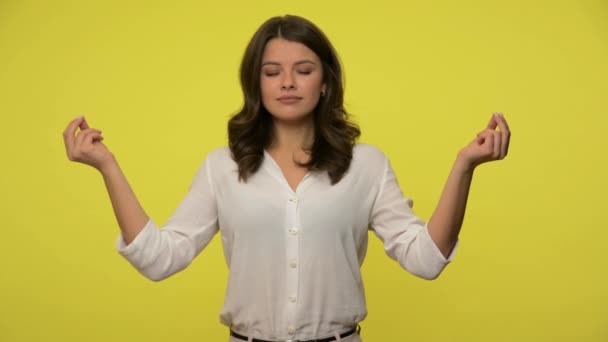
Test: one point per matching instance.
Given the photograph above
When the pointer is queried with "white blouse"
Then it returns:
(294, 257)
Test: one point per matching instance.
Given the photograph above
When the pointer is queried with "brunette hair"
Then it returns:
(250, 130)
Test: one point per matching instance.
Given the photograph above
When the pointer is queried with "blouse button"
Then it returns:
(292, 299)
(291, 330)
(293, 264)
(293, 199)
(293, 231)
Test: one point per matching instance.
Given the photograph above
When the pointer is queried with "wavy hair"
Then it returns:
(250, 130)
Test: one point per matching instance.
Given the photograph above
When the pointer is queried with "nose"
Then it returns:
(288, 81)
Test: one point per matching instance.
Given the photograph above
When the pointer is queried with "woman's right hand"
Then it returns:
(85, 146)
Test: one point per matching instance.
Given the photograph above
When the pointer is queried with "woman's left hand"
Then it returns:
(490, 144)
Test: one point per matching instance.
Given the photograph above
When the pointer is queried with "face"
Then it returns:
(291, 80)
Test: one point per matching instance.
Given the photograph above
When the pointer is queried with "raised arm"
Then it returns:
(446, 221)
(85, 146)
(156, 252)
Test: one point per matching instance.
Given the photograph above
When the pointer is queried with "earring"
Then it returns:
(323, 92)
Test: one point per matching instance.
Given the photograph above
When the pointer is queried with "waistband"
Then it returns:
(356, 329)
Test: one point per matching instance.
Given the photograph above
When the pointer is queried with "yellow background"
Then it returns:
(422, 78)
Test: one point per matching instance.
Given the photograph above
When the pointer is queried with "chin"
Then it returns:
(290, 116)
(286, 118)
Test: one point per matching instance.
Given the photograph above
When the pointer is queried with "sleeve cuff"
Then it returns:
(135, 245)
(433, 252)
(432, 255)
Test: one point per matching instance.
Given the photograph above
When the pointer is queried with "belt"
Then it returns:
(356, 329)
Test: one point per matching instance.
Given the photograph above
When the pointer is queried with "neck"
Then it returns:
(292, 137)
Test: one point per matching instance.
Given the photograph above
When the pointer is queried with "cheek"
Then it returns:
(316, 83)
(265, 89)
(263, 92)
(267, 94)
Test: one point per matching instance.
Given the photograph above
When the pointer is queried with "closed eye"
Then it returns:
(272, 74)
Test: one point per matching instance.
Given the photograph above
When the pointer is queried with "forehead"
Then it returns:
(285, 51)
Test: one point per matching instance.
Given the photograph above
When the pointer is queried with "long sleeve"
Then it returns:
(404, 235)
(159, 253)
(294, 256)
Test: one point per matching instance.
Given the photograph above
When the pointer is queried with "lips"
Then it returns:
(289, 99)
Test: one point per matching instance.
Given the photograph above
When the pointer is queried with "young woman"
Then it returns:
(293, 196)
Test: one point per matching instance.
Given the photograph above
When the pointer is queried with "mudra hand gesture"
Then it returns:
(86, 146)
(490, 144)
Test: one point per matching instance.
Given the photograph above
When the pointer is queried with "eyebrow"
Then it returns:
(296, 63)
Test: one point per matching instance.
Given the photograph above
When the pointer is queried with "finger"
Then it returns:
(497, 143)
(492, 123)
(91, 138)
(83, 135)
(482, 136)
(502, 122)
(74, 125)
(69, 134)
(84, 124)
(505, 135)
(505, 146)
(487, 141)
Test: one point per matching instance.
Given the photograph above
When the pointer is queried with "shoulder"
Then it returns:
(219, 153)
(368, 154)
(220, 159)
(368, 160)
